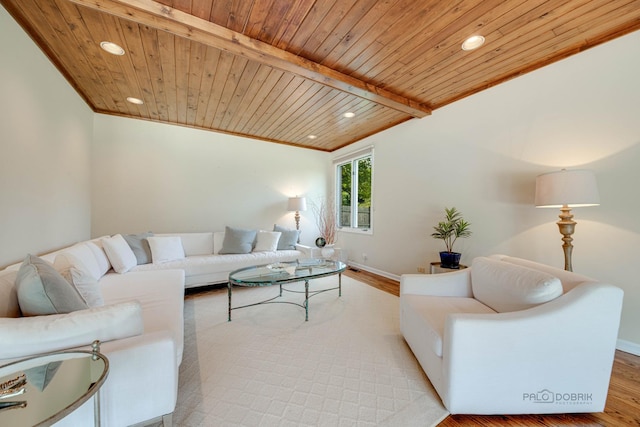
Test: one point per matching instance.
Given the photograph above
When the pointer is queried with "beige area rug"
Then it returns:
(347, 366)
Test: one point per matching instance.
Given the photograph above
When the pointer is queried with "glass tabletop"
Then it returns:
(283, 272)
(44, 389)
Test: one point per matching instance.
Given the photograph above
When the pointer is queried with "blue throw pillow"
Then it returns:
(140, 246)
(288, 238)
(42, 290)
(237, 241)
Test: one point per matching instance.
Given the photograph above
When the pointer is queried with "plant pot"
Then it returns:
(328, 251)
(450, 259)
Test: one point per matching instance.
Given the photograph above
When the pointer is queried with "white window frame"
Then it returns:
(353, 158)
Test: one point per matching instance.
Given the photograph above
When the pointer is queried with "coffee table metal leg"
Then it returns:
(339, 284)
(229, 292)
(306, 300)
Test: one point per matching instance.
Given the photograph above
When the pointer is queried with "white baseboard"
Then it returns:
(628, 347)
(374, 271)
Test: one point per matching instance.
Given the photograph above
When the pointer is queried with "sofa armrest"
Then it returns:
(306, 250)
(27, 336)
(499, 362)
(454, 284)
(142, 369)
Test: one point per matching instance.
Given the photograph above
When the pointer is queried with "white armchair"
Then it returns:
(511, 336)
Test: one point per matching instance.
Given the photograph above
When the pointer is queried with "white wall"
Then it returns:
(482, 155)
(45, 133)
(163, 178)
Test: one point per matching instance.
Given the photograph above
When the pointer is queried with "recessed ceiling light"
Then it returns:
(136, 101)
(473, 42)
(311, 136)
(349, 114)
(112, 48)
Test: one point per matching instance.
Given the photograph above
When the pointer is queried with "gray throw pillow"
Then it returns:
(42, 290)
(288, 238)
(237, 241)
(41, 376)
(140, 246)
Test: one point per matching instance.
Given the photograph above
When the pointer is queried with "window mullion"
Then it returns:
(354, 194)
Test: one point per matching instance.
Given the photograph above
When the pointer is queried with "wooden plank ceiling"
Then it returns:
(282, 70)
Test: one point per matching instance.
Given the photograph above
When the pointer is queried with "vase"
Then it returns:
(450, 259)
(328, 251)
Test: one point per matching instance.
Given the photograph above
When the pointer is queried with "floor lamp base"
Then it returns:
(567, 226)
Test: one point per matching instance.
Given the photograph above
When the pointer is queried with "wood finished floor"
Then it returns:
(623, 402)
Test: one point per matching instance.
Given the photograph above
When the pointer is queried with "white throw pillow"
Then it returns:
(101, 257)
(82, 257)
(508, 287)
(119, 253)
(85, 283)
(267, 241)
(165, 248)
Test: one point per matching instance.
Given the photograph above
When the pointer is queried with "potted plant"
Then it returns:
(453, 227)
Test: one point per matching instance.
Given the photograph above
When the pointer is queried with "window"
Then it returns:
(353, 189)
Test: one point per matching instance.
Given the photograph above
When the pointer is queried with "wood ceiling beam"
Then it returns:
(181, 24)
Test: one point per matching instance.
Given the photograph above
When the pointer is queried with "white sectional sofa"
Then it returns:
(511, 336)
(203, 263)
(136, 314)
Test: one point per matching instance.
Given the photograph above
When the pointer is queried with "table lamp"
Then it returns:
(566, 189)
(297, 204)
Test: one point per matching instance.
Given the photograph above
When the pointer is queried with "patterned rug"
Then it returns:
(347, 366)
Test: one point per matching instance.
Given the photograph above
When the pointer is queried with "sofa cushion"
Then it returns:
(288, 239)
(195, 243)
(160, 294)
(431, 313)
(42, 290)
(40, 334)
(218, 239)
(267, 241)
(140, 246)
(119, 253)
(237, 241)
(165, 248)
(9, 306)
(508, 287)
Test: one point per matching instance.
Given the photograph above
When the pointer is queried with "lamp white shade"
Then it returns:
(297, 204)
(574, 188)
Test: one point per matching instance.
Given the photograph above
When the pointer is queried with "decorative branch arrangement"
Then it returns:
(326, 220)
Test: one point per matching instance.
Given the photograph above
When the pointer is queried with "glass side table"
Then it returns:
(41, 390)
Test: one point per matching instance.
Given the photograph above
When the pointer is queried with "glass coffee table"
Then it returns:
(286, 272)
(41, 390)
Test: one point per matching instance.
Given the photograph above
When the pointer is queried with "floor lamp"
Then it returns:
(567, 189)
